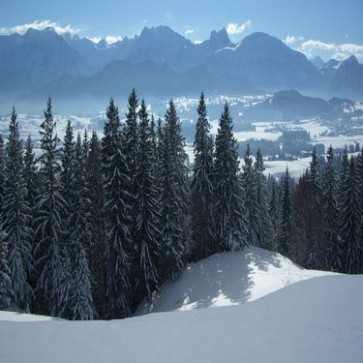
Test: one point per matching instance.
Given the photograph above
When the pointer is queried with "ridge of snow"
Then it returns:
(229, 278)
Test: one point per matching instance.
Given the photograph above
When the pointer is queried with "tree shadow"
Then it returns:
(222, 279)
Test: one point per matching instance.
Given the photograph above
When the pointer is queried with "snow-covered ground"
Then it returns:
(296, 167)
(316, 320)
(230, 278)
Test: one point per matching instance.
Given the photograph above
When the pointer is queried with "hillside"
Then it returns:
(317, 320)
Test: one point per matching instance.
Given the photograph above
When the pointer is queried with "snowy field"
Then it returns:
(319, 319)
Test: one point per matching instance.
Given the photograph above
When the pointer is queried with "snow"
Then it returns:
(278, 167)
(316, 320)
(230, 278)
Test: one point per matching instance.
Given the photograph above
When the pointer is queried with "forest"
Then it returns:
(91, 227)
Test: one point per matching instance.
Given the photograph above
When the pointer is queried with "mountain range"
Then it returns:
(162, 63)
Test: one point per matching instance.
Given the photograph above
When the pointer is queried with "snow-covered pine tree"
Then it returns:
(97, 219)
(360, 177)
(173, 184)
(284, 231)
(249, 185)
(230, 215)
(202, 188)
(16, 219)
(6, 293)
(117, 207)
(53, 264)
(2, 170)
(274, 210)
(315, 249)
(330, 214)
(264, 232)
(147, 208)
(350, 219)
(130, 140)
(81, 301)
(30, 173)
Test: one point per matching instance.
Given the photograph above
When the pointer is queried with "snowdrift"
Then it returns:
(316, 320)
(229, 278)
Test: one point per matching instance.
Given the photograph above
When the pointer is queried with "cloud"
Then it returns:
(95, 40)
(197, 41)
(311, 44)
(235, 28)
(338, 51)
(39, 25)
(291, 39)
(189, 31)
(111, 39)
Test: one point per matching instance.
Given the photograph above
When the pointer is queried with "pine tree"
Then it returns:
(284, 233)
(6, 292)
(173, 192)
(2, 171)
(274, 210)
(117, 196)
(30, 173)
(350, 219)
(263, 228)
(97, 219)
(147, 208)
(16, 219)
(249, 185)
(202, 190)
(330, 215)
(229, 209)
(315, 249)
(53, 261)
(81, 300)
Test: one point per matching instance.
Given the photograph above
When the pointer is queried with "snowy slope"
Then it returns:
(230, 278)
(318, 320)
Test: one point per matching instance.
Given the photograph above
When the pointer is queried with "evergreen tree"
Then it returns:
(173, 192)
(16, 219)
(350, 219)
(284, 234)
(202, 191)
(229, 209)
(263, 227)
(117, 196)
(80, 233)
(330, 215)
(6, 293)
(274, 211)
(52, 256)
(30, 173)
(315, 249)
(147, 207)
(2, 171)
(97, 221)
(249, 185)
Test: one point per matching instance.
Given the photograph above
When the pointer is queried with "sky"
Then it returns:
(316, 27)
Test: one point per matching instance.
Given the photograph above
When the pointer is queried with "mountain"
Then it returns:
(290, 105)
(328, 71)
(348, 80)
(317, 62)
(267, 63)
(316, 320)
(32, 59)
(160, 61)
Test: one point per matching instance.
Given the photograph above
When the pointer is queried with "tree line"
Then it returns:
(91, 228)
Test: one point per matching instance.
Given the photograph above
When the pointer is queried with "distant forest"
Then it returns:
(91, 228)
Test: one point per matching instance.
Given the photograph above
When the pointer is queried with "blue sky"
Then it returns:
(315, 27)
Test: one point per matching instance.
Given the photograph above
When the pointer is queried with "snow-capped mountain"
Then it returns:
(160, 61)
(348, 79)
